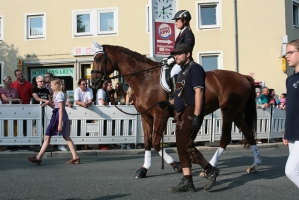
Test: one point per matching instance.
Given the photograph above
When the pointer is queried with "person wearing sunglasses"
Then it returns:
(40, 93)
(83, 96)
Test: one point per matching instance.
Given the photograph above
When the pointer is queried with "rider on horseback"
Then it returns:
(182, 21)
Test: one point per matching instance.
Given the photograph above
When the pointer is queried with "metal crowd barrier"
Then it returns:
(21, 124)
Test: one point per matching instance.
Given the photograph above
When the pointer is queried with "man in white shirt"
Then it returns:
(83, 96)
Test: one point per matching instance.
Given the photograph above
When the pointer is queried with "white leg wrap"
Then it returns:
(256, 154)
(168, 159)
(147, 159)
(217, 156)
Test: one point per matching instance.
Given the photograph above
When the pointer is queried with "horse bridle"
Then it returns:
(106, 58)
(106, 77)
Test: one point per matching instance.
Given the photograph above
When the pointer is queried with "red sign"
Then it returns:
(164, 38)
(78, 51)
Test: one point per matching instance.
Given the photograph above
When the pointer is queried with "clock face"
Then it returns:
(163, 9)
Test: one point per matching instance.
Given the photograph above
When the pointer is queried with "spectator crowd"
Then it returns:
(265, 98)
(22, 91)
(99, 93)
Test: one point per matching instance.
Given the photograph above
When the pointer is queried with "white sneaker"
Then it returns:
(61, 148)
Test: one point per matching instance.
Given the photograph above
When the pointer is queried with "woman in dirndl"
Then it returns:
(59, 125)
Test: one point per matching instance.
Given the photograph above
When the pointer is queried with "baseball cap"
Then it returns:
(5, 77)
(181, 49)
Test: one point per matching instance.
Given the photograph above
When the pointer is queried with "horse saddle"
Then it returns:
(165, 82)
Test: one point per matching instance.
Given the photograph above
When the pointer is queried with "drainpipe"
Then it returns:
(236, 35)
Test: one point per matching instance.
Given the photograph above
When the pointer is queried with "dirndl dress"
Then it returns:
(52, 129)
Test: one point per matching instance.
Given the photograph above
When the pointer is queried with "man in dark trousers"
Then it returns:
(189, 104)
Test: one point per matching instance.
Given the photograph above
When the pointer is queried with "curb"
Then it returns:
(83, 153)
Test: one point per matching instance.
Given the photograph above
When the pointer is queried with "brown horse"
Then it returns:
(232, 92)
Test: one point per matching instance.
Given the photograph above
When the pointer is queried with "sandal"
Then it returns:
(34, 160)
(74, 161)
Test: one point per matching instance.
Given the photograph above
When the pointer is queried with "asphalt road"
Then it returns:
(112, 177)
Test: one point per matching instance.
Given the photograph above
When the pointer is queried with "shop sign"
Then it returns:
(55, 71)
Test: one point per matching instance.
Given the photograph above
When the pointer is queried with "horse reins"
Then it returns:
(106, 58)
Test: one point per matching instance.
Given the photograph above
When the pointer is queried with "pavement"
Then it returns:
(116, 151)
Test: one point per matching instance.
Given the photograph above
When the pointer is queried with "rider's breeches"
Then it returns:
(292, 165)
(175, 70)
(185, 137)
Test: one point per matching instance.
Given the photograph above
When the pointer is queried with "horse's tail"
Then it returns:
(250, 114)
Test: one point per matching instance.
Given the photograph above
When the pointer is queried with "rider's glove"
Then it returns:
(195, 123)
(170, 61)
(164, 61)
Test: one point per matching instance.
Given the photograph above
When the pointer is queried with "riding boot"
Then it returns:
(185, 185)
(212, 173)
(173, 81)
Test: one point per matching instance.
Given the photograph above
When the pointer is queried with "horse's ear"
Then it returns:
(97, 47)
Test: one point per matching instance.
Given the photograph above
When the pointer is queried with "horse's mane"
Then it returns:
(133, 54)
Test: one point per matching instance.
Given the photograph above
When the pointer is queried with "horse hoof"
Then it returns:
(251, 170)
(177, 167)
(141, 173)
(203, 174)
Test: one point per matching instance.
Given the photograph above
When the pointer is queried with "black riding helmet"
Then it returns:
(182, 14)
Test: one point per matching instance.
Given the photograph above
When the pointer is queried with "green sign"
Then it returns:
(55, 71)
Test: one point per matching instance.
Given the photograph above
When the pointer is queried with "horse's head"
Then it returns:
(102, 63)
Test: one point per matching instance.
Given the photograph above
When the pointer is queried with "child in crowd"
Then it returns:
(282, 104)
(59, 125)
(282, 96)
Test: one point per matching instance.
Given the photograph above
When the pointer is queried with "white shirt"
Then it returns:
(101, 94)
(79, 95)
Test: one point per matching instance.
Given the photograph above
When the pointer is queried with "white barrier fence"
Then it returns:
(22, 125)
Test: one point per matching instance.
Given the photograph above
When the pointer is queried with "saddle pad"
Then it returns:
(163, 82)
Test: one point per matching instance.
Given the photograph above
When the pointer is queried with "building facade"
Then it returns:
(239, 35)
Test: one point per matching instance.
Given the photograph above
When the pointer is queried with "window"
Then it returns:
(296, 14)
(209, 14)
(35, 26)
(82, 21)
(107, 22)
(1, 28)
(95, 21)
(211, 60)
